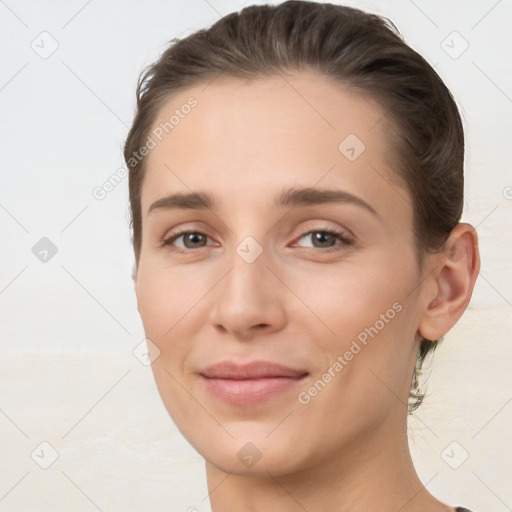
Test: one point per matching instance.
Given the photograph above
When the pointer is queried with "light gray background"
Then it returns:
(69, 325)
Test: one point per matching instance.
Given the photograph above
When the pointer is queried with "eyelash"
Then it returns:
(346, 241)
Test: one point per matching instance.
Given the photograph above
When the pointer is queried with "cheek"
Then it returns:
(172, 307)
(166, 299)
(163, 307)
(341, 301)
(363, 327)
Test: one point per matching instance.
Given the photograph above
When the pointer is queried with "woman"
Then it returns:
(296, 186)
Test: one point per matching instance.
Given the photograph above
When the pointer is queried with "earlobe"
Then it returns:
(454, 279)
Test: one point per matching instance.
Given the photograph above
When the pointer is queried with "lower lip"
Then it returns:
(250, 391)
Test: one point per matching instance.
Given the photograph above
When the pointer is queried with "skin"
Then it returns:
(299, 303)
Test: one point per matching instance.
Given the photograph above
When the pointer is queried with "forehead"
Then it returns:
(241, 138)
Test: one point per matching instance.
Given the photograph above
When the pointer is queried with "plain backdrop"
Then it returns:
(69, 327)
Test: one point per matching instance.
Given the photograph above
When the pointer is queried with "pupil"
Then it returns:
(321, 236)
(194, 237)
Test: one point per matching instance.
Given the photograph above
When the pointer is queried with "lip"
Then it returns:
(244, 384)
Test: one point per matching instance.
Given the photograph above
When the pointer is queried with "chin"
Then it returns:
(251, 451)
(252, 459)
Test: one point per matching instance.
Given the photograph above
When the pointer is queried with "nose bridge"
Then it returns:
(248, 277)
(248, 295)
(248, 244)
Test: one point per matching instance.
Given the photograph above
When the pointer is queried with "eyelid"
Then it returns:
(184, 229)
(320, 225)
(346, 240)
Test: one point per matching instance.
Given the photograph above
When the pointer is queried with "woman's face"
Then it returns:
(287, 319)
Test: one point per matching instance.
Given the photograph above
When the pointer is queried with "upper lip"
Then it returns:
(252, 370)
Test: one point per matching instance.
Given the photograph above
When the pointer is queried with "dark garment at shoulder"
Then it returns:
(462, 509)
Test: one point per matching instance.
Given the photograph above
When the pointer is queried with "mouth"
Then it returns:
(251, 383)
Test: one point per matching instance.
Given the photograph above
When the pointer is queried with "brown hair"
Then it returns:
(360, 50)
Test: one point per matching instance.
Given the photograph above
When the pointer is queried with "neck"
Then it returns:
(375, 472)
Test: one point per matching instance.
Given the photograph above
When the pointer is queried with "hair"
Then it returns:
(359, 50)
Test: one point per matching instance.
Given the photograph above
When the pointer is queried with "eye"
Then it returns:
(321, 239)
(191, 240)
(326, 239)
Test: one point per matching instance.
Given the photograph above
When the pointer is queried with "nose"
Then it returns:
(249, 299)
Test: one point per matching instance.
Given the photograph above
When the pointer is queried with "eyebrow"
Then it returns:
(287, 198)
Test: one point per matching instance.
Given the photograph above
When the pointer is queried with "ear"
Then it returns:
(452, 282)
